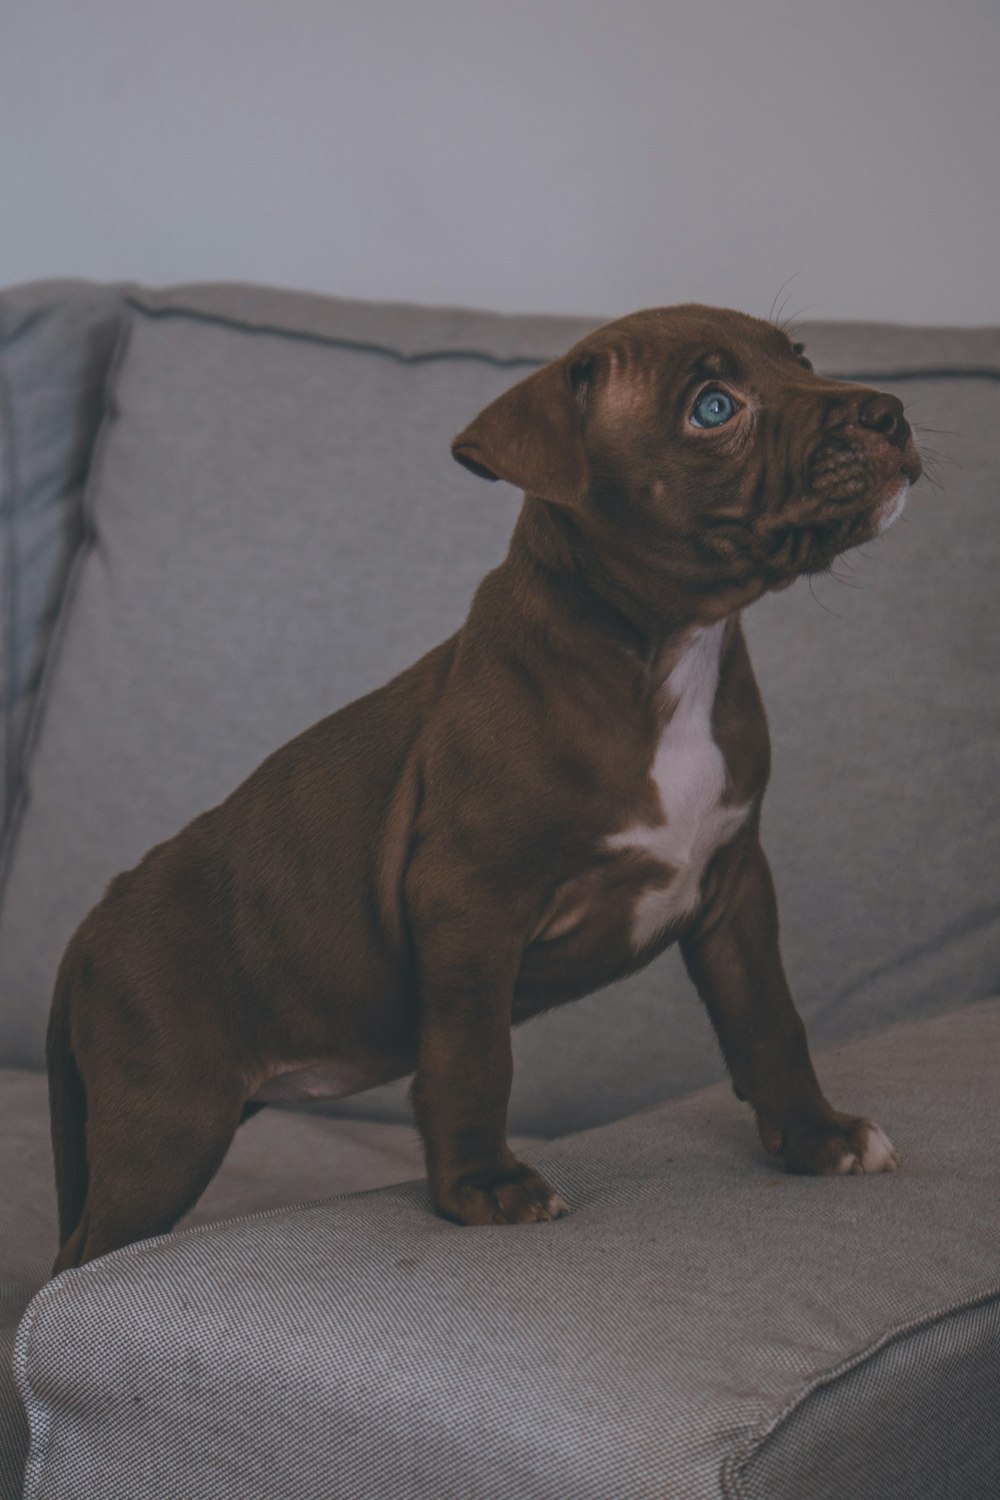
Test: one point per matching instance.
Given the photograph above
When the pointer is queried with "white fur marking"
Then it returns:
(689, 774)
(878, 1154)
(892, 508)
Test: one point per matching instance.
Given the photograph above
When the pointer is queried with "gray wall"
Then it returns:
(561, 155)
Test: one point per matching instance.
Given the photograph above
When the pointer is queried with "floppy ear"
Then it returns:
(532, 435)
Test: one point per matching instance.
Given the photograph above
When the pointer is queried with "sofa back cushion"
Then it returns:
(274, 525)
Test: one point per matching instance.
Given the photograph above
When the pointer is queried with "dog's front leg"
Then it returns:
(731, 952)
(467, 963)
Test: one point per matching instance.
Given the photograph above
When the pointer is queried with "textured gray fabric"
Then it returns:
(279, 527)
(27, 1217)
(919, 1418)
(13, 1423)
(418, 332)
(399, 328)
(886, 349)
(665, 1339)
(882, 820)
(56, 340)
(279, 1157)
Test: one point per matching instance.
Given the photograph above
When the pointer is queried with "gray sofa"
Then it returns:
(225, 512)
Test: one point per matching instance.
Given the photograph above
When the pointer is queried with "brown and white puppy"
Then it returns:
(537, 807)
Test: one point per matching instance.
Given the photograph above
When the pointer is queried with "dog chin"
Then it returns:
(891, 508)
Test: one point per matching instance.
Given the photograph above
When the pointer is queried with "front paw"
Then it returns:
(515, 1195)
(842, 1145)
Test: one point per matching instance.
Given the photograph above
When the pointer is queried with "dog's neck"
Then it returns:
(588, 604)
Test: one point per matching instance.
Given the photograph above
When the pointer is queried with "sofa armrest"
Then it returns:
(56, 343)
(701, 1325)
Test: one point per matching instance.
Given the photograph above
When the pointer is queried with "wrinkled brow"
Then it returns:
(715, 362)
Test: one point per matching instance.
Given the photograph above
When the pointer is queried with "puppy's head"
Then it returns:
(699, 443)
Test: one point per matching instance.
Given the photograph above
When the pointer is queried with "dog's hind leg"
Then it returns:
(147, 1086)
(148, 1162)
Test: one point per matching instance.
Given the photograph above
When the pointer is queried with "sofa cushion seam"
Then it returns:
(424, 356)
(332, 340)
(734, 1464)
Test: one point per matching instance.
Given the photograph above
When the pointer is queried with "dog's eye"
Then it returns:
(712, 408)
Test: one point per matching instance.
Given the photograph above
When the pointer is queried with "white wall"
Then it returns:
(584, 156)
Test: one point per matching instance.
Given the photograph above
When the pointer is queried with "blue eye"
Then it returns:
(712, 408)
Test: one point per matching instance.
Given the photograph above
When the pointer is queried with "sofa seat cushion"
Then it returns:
(279, 1157)
(700, 1325)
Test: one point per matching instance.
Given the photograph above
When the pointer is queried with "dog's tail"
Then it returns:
(67, 1104)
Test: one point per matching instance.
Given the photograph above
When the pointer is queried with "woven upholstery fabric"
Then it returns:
(279, 1157)
(918, 1417)
(667, 1338)
(882, 819)
(56, 341)
(276, 526)
(27, 1218)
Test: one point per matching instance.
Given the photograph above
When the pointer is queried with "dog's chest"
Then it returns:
(688, 776)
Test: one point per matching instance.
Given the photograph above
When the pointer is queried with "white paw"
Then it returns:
(877, 1153)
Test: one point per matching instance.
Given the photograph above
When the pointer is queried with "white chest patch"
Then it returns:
(689, 775)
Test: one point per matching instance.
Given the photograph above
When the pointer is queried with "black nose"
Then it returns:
(884, 414)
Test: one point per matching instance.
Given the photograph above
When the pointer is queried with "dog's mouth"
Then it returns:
(852, 496)
(844, 493)
(891, 506)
